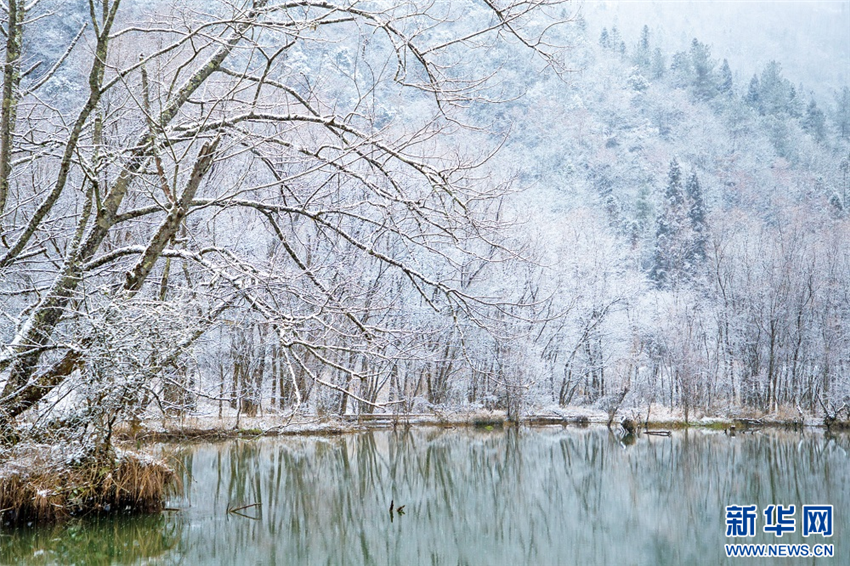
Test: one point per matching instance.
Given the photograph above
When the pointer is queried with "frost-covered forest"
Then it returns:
(262, 206)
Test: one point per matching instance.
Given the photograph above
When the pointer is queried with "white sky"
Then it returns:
(810, 38)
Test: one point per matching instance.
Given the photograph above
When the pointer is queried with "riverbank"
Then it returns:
(49, 483)
(212, 428)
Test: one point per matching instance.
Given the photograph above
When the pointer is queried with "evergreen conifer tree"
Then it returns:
(702, 67)
(697, 217)
(604, 39)
(643, 55)
(753, 96)
(659, 66)
(842, 113)
(668, 265)
(814, 121)
(725, 85)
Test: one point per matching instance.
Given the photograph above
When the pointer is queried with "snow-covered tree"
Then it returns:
(725, 86)
(296, 162)
(814, 121)
(842, 113)
(698, 223)
(671, 249)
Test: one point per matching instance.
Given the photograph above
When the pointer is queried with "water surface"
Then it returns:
(471, 497)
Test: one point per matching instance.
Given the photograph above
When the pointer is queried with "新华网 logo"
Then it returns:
(741, 520)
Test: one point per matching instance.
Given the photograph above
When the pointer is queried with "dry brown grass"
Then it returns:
(39, 486)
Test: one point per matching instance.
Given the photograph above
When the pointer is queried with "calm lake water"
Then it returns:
(471, 497)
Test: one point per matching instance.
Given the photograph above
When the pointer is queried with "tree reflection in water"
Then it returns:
(553, 496)
(99, 541)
